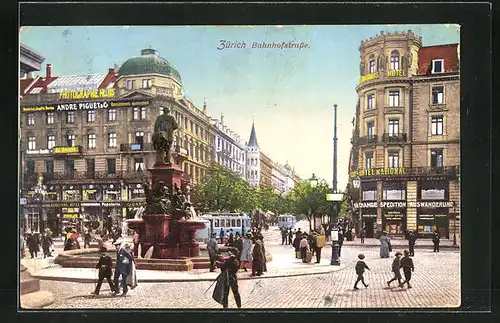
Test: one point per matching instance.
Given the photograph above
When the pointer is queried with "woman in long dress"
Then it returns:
(132, 277)
(385, 242)
(246, 252)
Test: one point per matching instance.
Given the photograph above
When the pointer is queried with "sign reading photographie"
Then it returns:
(87, 94)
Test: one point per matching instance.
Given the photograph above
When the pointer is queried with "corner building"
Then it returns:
(405, 145)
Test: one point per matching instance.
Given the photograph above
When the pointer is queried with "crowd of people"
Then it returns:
(35, 241)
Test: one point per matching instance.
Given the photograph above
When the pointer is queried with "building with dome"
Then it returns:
(87, 138)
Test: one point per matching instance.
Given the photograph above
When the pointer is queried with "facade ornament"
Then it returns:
(382, 61)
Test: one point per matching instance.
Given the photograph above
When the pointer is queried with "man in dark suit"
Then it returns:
(123, 267)
(412, 238)
(105, 266)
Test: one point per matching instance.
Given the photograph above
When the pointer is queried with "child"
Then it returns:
(104, 265)
(396, 265)
(360, 270)
(407, 265)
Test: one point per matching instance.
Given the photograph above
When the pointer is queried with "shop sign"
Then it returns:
(91, 204)
(365, 205)
(431, 204)
(393, 73)
(378, 172)
(107, 204)
(369, 215)
(432, 194)
(63, 205)
(87, 94)
(83, 106)
(121, 104)
(38, 151)
(38, 108)
(368, 77)
(136, 204)
(393, 215)
(70, 216)
(66, 150)
(393, 204)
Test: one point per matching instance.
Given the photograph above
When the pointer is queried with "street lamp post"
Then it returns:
(335, 198)
(314, 182)
(356, 183)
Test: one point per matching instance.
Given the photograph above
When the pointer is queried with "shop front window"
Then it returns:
(369, 191)
(137, 191)
(71, 194)
(394, 191)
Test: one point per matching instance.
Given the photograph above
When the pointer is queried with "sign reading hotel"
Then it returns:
(87, 94)
(378, 171)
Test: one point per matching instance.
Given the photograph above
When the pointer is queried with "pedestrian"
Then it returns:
(290, 236)
(396, 269)
(105, 267)
(283, 236)
(21, 246)
(246, 252)
(238, 244)
(435, 240)
(229, 269)
(86, 239)
(257, 257)
(360, 270)
(362, 235)
(385, 245)
(230, 239)
(132, 276)
(311, 239)
(264, 262)
(408, 268)
(33, 245)
(320, 243)
(304, 248)
(412, 238)
(341, 240)
(46, 244)
(213, 251)
(123, 266)
(221, 235)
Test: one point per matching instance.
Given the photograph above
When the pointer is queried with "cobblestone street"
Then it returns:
(436, 283)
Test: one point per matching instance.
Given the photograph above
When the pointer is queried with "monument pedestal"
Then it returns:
(170, 174)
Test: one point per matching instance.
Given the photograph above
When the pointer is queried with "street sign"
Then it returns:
(334, 197)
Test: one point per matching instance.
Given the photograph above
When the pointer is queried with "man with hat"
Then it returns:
(229, 269)
(396, 265)
(412, 238)
(123, 267)
(104, 266)
(213, 251)
(360, 270)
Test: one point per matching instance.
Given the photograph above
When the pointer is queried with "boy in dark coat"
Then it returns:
(407, 265)
(105, 266)
(360, 270)
(435, 240)
(396, 267)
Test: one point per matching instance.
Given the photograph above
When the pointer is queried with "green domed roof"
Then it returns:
(149, 62)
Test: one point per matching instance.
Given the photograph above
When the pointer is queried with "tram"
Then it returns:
(286, 221)
(214, 222)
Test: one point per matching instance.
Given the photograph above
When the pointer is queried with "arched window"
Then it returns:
(395, 60)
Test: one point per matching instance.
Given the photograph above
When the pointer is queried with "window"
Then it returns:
(112, 140)
(437, 125)
(51, 141)
(143, 113)
(370, 128)
(394, 191)
(368, 159)
(31, 143)
(393, 127)
(90, 165)
(70, 117)
(139, 113)
(394, 98)
(111, 166)
(437, 66)
(393, 159)
(139, 164)
(395, 60)
(437, 158)
(196, 129)
(50, 117)
(49, 166)
(69, 167)
(369, 190)
(146, 84)
(371, 101)
(371, 65)
(31, 119)
(130, 84)
(90, 116)
(438, 95)
(112, 115)
(70, 140)
(30, 167)
(91, 141)
(139, 137)
(191, 128)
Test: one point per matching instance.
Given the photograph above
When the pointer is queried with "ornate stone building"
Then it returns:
(405, 144)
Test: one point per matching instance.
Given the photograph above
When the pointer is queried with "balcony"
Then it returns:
(134, 147)
(394, 138)
(367, 140)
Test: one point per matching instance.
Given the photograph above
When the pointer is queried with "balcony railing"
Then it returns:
(367, 140)
(394, 137)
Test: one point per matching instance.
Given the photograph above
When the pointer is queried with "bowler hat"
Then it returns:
(361, 256)
(398, 254)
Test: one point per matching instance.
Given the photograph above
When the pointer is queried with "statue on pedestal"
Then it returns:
(158, 200)
(163, 136)
(180, 204)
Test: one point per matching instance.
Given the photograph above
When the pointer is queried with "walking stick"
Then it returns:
(212, 283)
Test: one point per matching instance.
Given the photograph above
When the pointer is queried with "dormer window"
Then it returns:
(437, 66)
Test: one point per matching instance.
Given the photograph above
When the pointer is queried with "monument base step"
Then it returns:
(29, 285)
(37, 300)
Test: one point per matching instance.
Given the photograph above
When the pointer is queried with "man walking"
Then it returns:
(412, 238)
(283, 236)
(229, 269)
(46, 243)
(123, 266)
(341, 240)
(408, 268)
(213, 251)
(362, 234)
(435, 240)
(290, 236)
(104, 266)
(86, 239)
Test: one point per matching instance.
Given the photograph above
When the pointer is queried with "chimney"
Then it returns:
(30, 75)
(48, 71)
(111, 71)
(222, 118)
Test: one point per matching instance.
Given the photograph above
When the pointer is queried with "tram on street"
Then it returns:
(286, 221)
(214, 222)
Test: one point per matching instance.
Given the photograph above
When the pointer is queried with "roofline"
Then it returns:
(442, 45)
(156, 74)
(30, 87)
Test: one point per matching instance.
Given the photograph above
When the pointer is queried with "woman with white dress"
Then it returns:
(246, 252)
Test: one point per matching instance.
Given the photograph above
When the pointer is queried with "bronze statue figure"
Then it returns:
(158, 199)
(163, 136)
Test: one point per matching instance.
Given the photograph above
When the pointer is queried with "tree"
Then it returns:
(310, 201)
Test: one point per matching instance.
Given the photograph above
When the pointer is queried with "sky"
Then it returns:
(289, 92)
